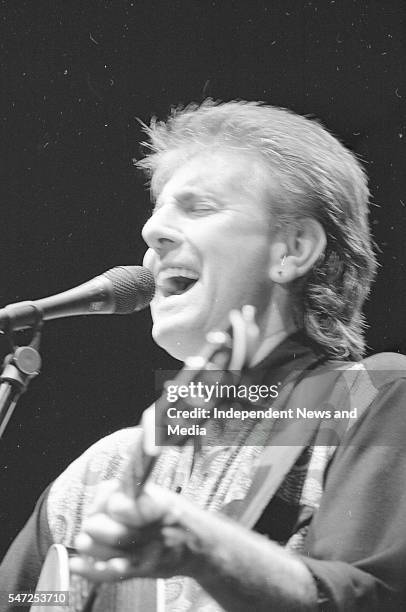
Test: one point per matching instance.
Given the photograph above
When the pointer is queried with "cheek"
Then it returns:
(239, 276)
(249, 255)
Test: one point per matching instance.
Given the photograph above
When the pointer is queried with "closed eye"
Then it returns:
(202, 207)
(190, 202)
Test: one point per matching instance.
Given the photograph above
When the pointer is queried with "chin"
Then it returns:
(180, 344)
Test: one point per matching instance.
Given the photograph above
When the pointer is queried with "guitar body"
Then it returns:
(54, 577)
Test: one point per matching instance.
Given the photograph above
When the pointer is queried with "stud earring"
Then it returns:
(282, 264)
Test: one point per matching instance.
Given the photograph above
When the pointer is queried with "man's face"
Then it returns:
(208, 241)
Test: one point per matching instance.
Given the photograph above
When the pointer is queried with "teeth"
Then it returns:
(176, 272)
(175, 281)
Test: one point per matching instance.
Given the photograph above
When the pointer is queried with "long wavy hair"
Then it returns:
(320, 178)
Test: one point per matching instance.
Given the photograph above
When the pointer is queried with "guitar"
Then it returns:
(225, 353)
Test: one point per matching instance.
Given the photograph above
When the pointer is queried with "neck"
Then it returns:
(270, 343)
(276, 324)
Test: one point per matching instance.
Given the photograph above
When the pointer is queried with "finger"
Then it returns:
(104, 491)
(153, 506)
(106, 531)
(87, 546)
(166, 504)
(135, 513)
(112, 570)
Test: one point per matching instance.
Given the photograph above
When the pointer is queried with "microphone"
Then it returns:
(121, 290)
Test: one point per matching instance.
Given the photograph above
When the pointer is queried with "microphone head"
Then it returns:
(133, 287)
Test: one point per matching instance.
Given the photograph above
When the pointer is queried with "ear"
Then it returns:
(295, 250)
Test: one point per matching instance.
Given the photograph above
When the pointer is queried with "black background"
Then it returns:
(75, 76)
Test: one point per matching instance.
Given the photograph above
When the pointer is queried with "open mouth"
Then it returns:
(176, 281)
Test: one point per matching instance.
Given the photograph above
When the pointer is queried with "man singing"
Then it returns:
(254, 205)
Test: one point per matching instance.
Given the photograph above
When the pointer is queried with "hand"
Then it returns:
(146, 537)
(160, 534)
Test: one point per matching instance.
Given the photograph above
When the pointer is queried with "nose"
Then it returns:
(160, 232)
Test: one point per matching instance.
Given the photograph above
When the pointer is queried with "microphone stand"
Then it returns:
(21, 365)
